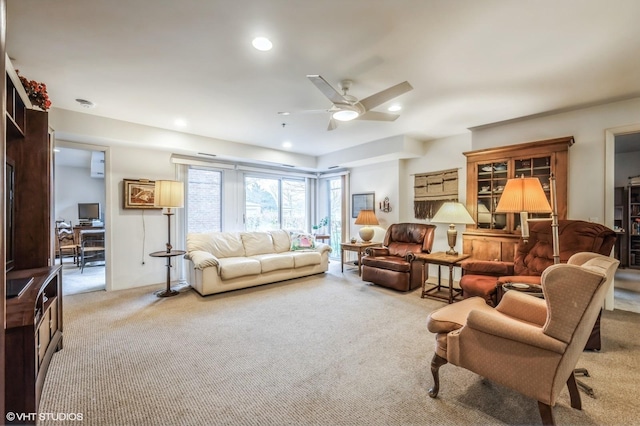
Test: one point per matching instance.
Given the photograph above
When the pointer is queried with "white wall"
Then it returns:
(383, 179)
(75, 185)
(134, 233)
(440, 154)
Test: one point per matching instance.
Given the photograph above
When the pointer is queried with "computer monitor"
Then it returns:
(88, 211)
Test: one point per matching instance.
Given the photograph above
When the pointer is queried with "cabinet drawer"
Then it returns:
(43, 335)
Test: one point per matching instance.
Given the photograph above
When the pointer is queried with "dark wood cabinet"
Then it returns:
(33, 335)
(495, 235)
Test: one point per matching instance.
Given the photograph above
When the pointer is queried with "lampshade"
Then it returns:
(524, 194)
(169, 193)
(453, 212)
(366, 217)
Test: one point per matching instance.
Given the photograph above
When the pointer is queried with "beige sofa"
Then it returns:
(223, 261)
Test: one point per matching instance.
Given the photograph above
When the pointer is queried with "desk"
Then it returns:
(358, 248)
(168, 255)
(440, 259)
(77, 229)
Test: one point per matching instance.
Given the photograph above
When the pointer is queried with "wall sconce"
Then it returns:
(385, 206)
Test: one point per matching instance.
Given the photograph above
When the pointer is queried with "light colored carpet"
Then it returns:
(92, 278)
(322, 350)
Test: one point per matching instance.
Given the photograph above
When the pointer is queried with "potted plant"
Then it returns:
(320, 226)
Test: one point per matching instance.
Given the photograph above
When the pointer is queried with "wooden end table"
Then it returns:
(440, 259)
(168, 255)
(358, 248)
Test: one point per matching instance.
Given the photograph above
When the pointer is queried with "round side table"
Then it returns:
(168, 255)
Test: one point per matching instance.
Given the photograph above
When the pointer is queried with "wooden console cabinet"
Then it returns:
(33, 335)
(495, 235)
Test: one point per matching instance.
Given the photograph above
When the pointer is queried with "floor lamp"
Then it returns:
(525, 195)
(168, 194)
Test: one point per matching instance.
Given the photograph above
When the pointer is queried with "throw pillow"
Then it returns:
(303, 242)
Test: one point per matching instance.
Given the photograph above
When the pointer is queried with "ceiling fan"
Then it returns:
(346, 107)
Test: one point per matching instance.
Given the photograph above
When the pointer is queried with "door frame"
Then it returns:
(609, 185)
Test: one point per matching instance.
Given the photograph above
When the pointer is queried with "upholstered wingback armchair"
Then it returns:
(532, 257)
(391, 265)
(547, 334)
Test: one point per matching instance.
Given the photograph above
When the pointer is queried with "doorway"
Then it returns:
(79, 206)
(625, 156)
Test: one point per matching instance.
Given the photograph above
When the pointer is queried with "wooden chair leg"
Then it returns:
(574, 393)
(436, 363)
(546, 414)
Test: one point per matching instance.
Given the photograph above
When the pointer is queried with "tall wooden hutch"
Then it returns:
(495, 235)
(32, 286)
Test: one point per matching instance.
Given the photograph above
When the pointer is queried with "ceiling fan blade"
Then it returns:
(378, 116)
(385, 95)
(327, 90)
(332, 124)
(305, 111)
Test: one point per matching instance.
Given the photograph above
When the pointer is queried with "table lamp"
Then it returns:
(169, 194)
(452, 213)
(366, 218)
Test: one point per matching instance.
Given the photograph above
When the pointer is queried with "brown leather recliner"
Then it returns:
(390, 265)
(485, 278)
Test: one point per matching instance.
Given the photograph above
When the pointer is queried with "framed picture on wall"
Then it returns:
(364, 201)
(139, 194)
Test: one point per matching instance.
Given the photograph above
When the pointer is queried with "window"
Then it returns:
(204, 200)
(335, 218)
(274, 203)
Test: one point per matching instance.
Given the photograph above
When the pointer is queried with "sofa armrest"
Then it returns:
(202, 259)
(377, 251)
(486, 267)
(505, 327)
(322, 247)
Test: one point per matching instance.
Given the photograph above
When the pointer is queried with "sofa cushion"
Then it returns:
(220, 244)
(392, 263)
(306, 258)
(281, 240)
(274, 261)
(257, 243)
(234, 267)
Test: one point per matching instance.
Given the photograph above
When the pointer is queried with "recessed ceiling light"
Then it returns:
(287, 144)
(284, 113)
(262, 43)
(85, 103)
(180, 122)
(345, 115)
(394, 108)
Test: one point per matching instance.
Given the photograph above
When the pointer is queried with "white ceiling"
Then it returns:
(471, 62)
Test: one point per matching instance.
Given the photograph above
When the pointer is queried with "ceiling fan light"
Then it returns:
(345, 115)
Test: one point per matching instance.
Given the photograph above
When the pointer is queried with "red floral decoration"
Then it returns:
(37, 93)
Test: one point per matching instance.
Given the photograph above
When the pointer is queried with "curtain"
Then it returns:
(431, 190)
